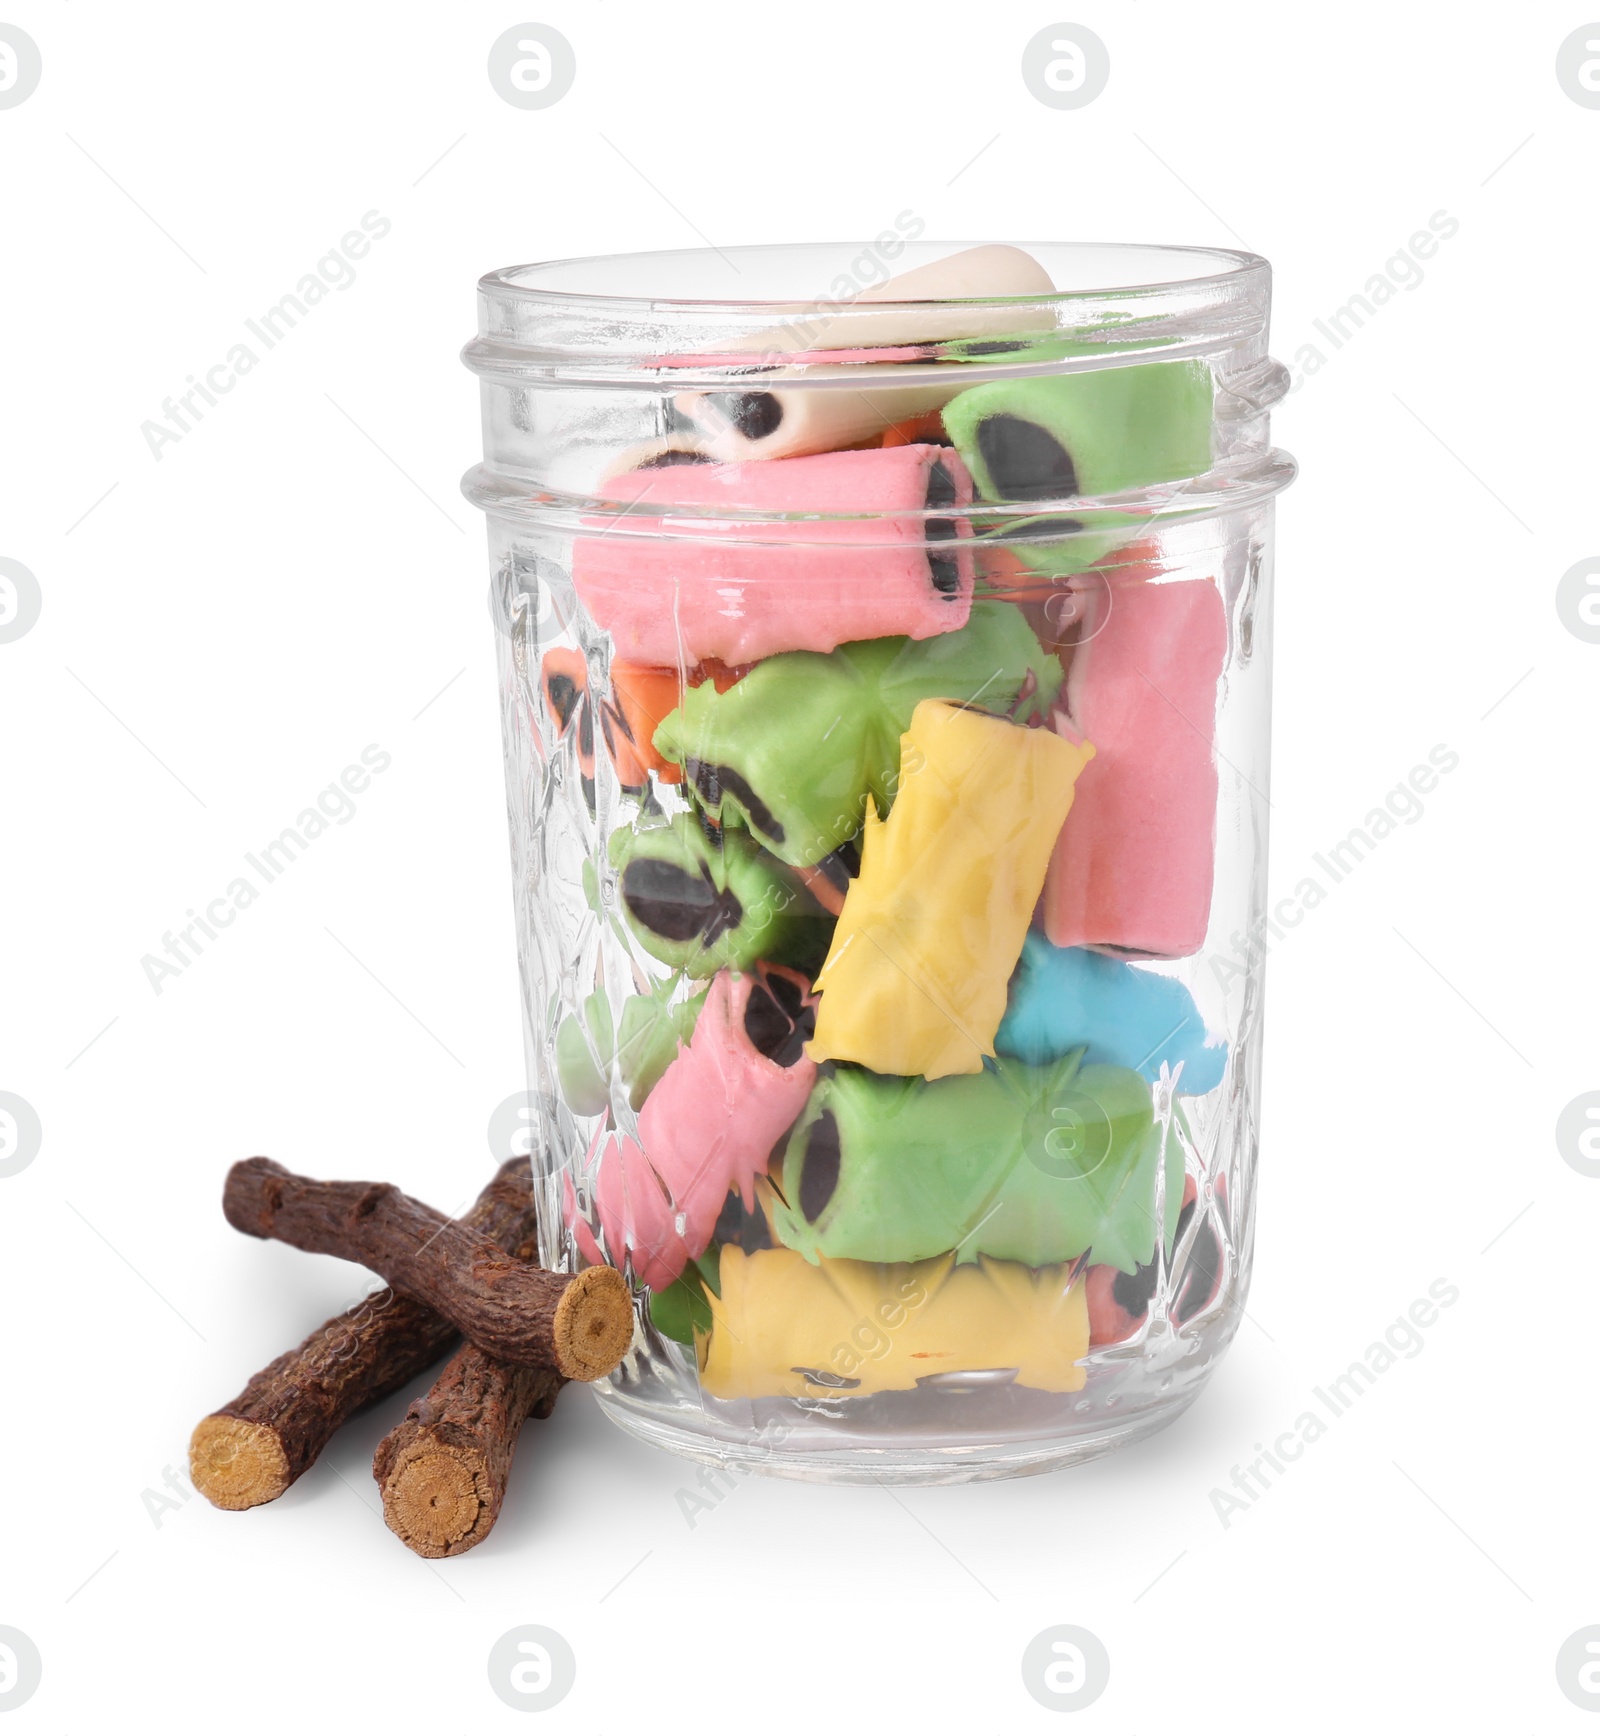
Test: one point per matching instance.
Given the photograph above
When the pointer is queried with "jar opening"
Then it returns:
(812, 273)
(1128, 377)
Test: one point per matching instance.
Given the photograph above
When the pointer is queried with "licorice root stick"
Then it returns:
(579, 1326)
(252, 1449)
(443, 1470)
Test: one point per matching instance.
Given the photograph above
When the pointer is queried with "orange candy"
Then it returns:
(641, 696)
(927, 429)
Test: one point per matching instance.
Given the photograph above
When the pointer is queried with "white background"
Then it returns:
(227, 627)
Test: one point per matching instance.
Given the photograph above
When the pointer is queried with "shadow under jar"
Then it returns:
(885, 679)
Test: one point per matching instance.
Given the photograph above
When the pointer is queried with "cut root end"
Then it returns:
(593, 1324)
(433, 1503)
(236, 1464)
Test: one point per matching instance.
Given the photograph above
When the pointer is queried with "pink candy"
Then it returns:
(635, 1213)
(708, 1126)
(709, 592)
(1133, 867)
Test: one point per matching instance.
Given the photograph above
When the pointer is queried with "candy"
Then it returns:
(924, 430)
(794, 750)
(747, 1227)
(765, 421)
(1133, 868)
(828, 878)
(673, 589)
(709, 1125)
(915, 980)
(682, 1309)
(1066, 998)
(1057, 437)
(783, 1327)
(1199, 1276)
(1032, 350)
(640, 698)
(649, 1034)
(635, 1214)
(655, 454)
(1097, 431)
(698, 905)
(1120, 1301)
(1018, 1163)
(564, 684)
(585, 1049)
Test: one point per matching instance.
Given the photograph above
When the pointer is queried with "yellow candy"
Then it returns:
(783, 1327)
(932, 928)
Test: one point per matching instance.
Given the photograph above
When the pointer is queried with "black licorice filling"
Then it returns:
(706, 776)
(769, 1028)
(942, 569)
(614, 725)
(741, 1229)
(711, 780)
(1205, 1263)
(786, 992)
(755, 415)
(676, 905)
(730, 1220)
(834, 870)
(675, 455)
(562, 693)
(1131, 1291)
(755, 1233)
(1025, 461)
(776, 1019)
(820, 1175)
(941, 487)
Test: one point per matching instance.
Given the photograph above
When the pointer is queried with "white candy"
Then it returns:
(833, 411)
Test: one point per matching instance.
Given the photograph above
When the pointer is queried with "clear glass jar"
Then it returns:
(886, 699)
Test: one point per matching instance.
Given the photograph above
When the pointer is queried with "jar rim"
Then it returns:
(551, 333)
(509, 281)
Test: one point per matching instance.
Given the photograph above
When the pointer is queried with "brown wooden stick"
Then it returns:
(251, 1450)
(580, 1326)
(443, 1470)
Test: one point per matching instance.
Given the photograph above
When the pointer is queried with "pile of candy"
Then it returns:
(907, 1107)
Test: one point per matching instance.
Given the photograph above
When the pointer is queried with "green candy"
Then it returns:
(1026, 348)
(649, 1036)
(1061, 436)
(584, 1053)
(794, 749)
(641, 1047)
(1036, 1164)
(682, 1308)
(702, 906)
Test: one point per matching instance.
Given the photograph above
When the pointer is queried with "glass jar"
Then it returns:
(885, 672)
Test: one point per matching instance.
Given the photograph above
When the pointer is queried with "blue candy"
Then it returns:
(1065, 996)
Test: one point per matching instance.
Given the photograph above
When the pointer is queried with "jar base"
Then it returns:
(914, 1464)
